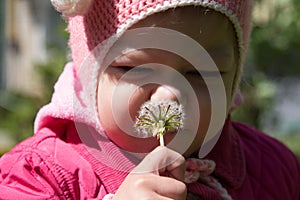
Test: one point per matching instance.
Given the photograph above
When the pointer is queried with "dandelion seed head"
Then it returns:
(155, 118)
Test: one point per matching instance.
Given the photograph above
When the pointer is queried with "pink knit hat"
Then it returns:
(93, 21)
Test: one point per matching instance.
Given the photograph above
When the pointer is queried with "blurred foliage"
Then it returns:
(17, 114)
(275, 43)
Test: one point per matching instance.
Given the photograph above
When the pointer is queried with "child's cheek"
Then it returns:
(118, 104)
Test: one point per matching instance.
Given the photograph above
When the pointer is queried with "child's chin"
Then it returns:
(140, 145)
(146, 145)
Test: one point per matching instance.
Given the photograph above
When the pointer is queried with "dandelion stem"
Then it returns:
(161, 140)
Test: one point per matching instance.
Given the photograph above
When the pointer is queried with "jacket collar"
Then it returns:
(229, 157)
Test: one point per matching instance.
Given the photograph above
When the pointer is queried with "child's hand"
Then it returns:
(146, 182)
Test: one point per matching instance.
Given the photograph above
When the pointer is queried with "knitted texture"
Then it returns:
(104, 18)
(71, 7)
(198, 170)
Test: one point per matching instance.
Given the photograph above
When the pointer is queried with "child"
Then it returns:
(129, 52)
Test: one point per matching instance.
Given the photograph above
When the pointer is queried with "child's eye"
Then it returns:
(201, 75)
(124, 68)
(193, 73)
(133, 69)
(130, 72)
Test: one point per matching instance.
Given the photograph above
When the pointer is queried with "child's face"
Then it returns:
(211, 30)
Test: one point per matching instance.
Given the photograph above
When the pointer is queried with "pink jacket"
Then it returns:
(59, 163)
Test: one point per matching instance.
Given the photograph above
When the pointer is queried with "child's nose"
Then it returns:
(164, 92)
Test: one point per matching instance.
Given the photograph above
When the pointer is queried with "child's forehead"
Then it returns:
(195, 21)
(211, 29)
(180, 15)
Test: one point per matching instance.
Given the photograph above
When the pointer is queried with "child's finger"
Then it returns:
(154, 186)
(145, 181)
(151, 186)
(163, 160)
(171, 188)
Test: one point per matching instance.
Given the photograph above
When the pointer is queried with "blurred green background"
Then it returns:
(270, 85)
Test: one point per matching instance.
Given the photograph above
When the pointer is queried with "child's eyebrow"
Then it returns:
(129, 56)
(142, 56)
(128, 50)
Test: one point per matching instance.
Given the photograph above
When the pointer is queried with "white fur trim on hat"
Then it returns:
(71, 7)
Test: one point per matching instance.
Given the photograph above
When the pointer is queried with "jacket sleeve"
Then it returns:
(28, 175)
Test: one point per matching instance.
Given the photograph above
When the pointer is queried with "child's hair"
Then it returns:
(93, 21)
